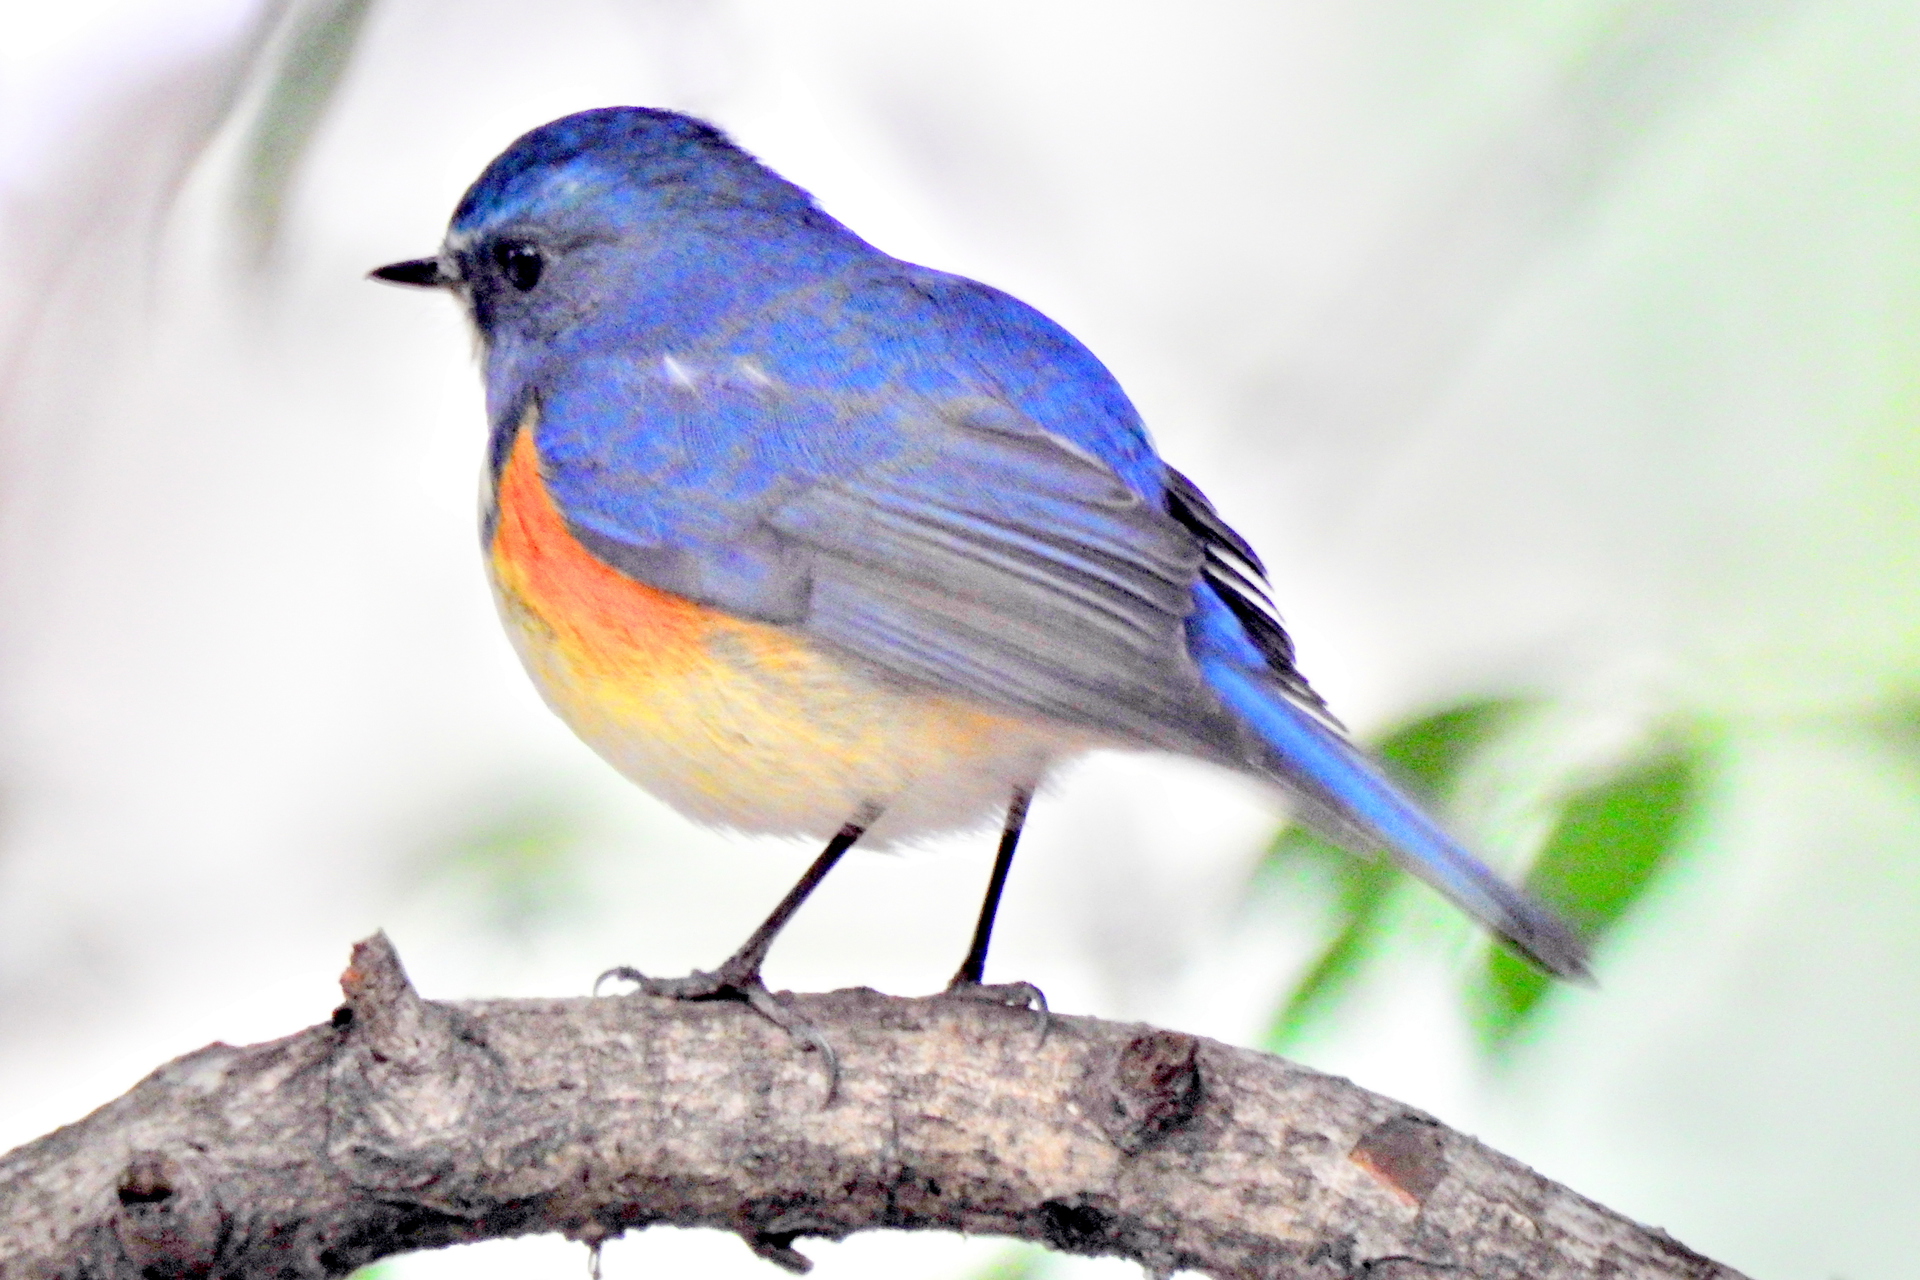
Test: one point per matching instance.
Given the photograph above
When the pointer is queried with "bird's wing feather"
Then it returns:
(994, 560)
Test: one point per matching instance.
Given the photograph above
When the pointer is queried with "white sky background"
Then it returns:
(252, 675)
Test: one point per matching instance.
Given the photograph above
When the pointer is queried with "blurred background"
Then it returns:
(1562, 357)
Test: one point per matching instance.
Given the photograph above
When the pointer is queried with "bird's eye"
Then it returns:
(520, 262)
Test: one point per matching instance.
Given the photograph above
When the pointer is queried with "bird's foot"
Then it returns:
(1011, 995)
(731, 982)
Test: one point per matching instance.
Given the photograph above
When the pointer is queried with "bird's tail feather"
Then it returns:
(1345, 793)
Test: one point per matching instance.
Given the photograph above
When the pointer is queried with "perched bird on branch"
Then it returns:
(810, 540)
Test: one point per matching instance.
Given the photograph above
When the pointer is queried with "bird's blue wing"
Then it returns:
(994, 561)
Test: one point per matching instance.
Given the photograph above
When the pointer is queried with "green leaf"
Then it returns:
(1427, 757)
(1365, 889)
(1609, 846)
(1898, 725)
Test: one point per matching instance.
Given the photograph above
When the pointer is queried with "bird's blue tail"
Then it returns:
(1346, 793)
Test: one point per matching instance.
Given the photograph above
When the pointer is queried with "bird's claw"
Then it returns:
(1010, 995)
(770, 1007)
(697, 985)
(747, 988)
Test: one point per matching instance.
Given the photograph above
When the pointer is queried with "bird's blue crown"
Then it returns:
(640, 153)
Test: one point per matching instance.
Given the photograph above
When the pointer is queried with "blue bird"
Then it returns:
(807, 539)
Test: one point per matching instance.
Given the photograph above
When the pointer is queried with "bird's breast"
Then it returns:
(735, 722)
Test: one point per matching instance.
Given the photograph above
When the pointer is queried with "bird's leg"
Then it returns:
(967, 981)
(738, 977)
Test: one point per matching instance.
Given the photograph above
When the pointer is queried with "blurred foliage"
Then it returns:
(1611, 839)
(1610, 843)
(306, 62)
(1425, 756)
(1898, 726)
(519, 867)
(1019, 1262)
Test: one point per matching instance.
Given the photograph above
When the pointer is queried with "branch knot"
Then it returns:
(167, 1222)
(1154, 1087)
(409, 1083)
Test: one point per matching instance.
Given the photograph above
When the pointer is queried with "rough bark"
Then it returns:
(405, 1124)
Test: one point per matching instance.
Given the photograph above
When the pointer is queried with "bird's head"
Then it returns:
(588, 208)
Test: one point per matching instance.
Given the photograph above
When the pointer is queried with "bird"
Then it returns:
(806, 539)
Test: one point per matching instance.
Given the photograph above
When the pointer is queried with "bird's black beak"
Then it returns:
(423, 273)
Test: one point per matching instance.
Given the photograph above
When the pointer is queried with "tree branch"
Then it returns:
(408, 1124)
